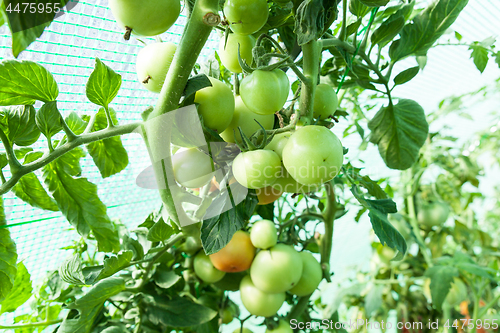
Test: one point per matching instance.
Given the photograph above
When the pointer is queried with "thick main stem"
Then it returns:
(327, 240)
(311, 54)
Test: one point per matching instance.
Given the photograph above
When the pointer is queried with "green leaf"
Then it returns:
(430, 24)
(352, 28)
(266, 211)
(373, 299)
(177, 312)
(90, 305)
(103, 84)
(479, 55)
(160, 231)
(458, 36)
(30, 190)
(441, 279)
(21, 291)
(75, 123)
(217, 231)
(32, 156)
(20, 153)
(18, 124)
(48, 119)
(114, 264)
(386, 32)
(70, 271)
(78, 201)
(165, 277)
(109, 155)
(406, 75)
(24, 82)
(357, 8)
(194, 84)
(399, 131)
(312, 18)
(378, 210)
(497, 58)
(374, 3)
(8, 257)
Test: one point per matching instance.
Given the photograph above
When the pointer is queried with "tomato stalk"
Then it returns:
(329, 218)
(38, 324)
(311, 55)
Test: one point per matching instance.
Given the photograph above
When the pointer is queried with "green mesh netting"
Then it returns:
(68, 49)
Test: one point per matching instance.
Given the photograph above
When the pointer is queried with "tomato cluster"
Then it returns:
(273, 268)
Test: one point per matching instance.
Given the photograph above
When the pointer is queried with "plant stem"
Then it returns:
(38, 324)
(63, 149)
(326, 240)
(11, 156)
(298, 308)
(311, 54)
(343, 30)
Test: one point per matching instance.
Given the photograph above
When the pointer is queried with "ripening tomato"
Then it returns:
(149, 18)
(216, 105)
(257, 168)
(312, 274)
(247, 120)
(258, 302)
(313, 155)
(267, 195)
(237, 255)
(278, 143)
(152, 64)
(205, 270)
(192, 168)
(283, 327)
(277, 269)
(263, 234)
(246, 16)
(325, 101)
(228, 51)
(265, 92)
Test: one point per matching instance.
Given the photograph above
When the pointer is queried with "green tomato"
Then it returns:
(152, 64)
(265, 92)
(258, 302)
(192, 168)
(205, 270)
(278, 143)
(216, 105)
(242, 330)
(263, 234)
(228, 51)
(256, 169)
(325, 101)
(433, 214)
(283, 327)
(246, 17)
(285, 183)
(247, 120)
(149, 18)
(226, 316)
(312, 274)
(313, 155)
(276, 270)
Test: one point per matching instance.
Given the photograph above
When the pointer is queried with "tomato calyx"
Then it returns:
(261, 57)
(254, 142)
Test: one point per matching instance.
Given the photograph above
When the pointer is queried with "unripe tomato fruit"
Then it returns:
(246, 17)
(247, 120)
(278, 143)
(228, 51)
(205, 270)
(285, 183)
(263, 234)
(433, 214)
(312, 274)
(216, 105)
(265, 92)
(313, 155)
(267, 194)
(236, 256)
(283, 327)
(325, 101)
(152, 64)
(226, 316)
(242, 330)
(258, 302)
(277, 269)
(148, 18)
(256, 169)
(192, 168)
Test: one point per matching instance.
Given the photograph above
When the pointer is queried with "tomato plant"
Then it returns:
(265, 235)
